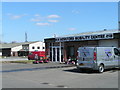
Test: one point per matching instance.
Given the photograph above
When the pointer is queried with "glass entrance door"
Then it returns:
(57, 55)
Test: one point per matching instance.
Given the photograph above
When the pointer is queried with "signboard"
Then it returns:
(84, 37)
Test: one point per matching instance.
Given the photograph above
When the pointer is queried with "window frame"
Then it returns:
(33, 47)
(38, 47)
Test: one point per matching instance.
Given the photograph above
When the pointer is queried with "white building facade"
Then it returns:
(38, 46)
(21, 49)
(15, 49)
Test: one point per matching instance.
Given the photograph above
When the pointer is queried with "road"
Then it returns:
(28, 76)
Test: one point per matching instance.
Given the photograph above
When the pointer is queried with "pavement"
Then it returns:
(13, 58)
(13, 67)
(17, 67)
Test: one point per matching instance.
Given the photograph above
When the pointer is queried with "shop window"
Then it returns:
(27, 48)
(13, 53)
(24, 48)
(70, 51)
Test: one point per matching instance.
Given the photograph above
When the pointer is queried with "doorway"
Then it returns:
(57, 54)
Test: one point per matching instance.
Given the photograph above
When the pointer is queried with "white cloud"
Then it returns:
(53, 16)
(36, 19)
(42, 24)
(53, 21)
(72, 29)
(15, 16)
(37, 15)
(75, 11)
(9, 14)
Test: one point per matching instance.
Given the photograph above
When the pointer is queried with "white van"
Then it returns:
(98, 58)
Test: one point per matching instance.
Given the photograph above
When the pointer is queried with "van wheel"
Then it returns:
(101, 69)
(79, 69)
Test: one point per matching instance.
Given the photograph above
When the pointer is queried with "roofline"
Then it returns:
(86, 33)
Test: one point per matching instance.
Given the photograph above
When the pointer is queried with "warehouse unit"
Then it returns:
(60, 49)
(21, 49)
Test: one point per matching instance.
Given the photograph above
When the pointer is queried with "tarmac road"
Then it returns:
(65, 77)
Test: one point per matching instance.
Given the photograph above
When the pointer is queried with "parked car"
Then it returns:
(98, 58)
(36, 55)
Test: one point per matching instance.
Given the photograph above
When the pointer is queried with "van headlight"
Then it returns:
(77, 63)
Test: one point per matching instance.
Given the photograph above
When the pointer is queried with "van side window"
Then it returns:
(117, 52)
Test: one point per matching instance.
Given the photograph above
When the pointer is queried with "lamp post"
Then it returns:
(119, 25)
(119, 16)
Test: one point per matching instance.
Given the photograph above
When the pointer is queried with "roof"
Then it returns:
(11, 45)
(93, 33)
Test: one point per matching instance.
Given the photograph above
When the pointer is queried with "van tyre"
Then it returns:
(101, 69)
(78, 69)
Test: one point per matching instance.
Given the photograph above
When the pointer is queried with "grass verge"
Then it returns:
(19, 61)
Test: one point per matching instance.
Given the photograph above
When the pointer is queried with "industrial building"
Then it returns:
(21, 49)
(59, 49)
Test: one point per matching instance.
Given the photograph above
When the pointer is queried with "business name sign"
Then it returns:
(84, 37)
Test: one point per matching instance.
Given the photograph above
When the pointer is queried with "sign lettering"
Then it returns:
(84, 37)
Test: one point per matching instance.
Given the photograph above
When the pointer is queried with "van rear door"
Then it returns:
(86, 57)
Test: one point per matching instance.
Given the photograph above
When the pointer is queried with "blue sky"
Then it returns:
(44, 19)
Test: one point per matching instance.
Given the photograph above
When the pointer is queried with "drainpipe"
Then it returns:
(52, 51)
(55, 54)
(60, 52)
(119, 16)
(119, 26)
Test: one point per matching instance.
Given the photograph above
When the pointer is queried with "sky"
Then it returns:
(42, 20)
